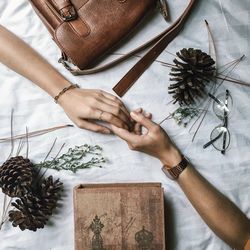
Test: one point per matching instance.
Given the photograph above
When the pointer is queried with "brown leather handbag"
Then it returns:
(85, 30)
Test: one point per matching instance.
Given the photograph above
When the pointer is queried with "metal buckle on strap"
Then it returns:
(68, 13)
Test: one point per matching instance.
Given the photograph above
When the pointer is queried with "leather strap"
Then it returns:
(66, 9)
(158, 44)
(76, 71)
(130, 78)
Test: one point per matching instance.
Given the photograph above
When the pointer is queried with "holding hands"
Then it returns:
(154, 142)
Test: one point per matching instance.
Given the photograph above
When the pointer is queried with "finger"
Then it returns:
(138, 129)
(148, 115)
(107, 106)
(116, 101)
(140, 118)
(125, 135)
(112, 119)
(137, 126)
(139, 110)
(110, 96)
(93, 127)
(119, 105)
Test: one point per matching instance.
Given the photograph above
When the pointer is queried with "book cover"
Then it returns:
(119, 217)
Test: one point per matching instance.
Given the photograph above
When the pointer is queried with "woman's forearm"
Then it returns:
(219, 213)
(24, 60)
(84, 107)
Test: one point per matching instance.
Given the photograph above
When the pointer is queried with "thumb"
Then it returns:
(144, 121)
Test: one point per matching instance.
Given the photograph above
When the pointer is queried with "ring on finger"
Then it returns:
(100, 116)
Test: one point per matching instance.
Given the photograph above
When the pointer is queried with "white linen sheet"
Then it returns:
(229, 21)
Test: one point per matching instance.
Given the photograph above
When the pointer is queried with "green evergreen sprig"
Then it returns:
(183, 115)
(73, 159)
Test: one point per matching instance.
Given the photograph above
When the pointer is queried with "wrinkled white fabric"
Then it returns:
(229, 21)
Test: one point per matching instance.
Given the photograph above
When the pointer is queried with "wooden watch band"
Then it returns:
(174, 172)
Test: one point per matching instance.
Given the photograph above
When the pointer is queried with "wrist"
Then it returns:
(57, 86)
(64, 93)
(171, 157)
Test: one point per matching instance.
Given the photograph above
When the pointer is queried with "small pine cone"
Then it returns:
(34, 210)
(30, 213)
(16, 175)
(190, 75)
(50, 192)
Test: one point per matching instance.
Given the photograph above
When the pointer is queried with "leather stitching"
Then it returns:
(77, 33)
(83, 5)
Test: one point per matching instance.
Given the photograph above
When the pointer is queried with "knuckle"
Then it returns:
(117, 111)
(157, 128)
(100, 95)
(87, 110)
(117, 99)
(140, 118)
(97, 94)
(110, 117)
(93, 101)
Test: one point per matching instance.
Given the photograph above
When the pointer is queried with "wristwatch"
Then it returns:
(174, 172)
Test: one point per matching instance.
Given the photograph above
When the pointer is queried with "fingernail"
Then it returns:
(138, 110)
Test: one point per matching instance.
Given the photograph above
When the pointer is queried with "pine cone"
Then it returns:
(34, 209)
(30, 214)
(16, 175)
(190, 74)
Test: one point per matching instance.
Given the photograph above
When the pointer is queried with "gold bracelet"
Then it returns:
(72, 86)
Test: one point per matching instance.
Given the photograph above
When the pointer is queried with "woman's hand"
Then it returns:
(85, 106)
(154, 142)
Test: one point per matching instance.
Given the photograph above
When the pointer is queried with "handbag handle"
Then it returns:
(139, 68)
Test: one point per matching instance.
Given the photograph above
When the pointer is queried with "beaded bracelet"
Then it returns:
(72, 86)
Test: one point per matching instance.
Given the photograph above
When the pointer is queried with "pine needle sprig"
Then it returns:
(183, 115)
(73, 159)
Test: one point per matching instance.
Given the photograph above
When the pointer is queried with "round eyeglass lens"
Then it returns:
(221, 138)
(224, 105)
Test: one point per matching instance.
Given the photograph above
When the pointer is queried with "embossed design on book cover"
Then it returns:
(144, 239)
(96, 227)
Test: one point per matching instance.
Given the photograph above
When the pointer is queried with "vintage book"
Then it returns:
(119, 217)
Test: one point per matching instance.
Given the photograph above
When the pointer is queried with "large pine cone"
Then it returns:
(190, 75)
(16, 175)
(34, 209)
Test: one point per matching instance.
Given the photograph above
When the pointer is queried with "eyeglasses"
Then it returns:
(220, 135)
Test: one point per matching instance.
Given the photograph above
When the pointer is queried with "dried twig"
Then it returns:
(40, 178)
(11, 134)
(35, 133)
(27, 143)
(214, 91)
(20, 146)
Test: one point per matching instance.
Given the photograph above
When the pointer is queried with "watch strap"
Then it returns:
(174, 172)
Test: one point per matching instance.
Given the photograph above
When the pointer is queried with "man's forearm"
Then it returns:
(219, 213)
(24, 60)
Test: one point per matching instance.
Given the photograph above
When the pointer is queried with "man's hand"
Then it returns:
(85, 106)
(154, 142)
